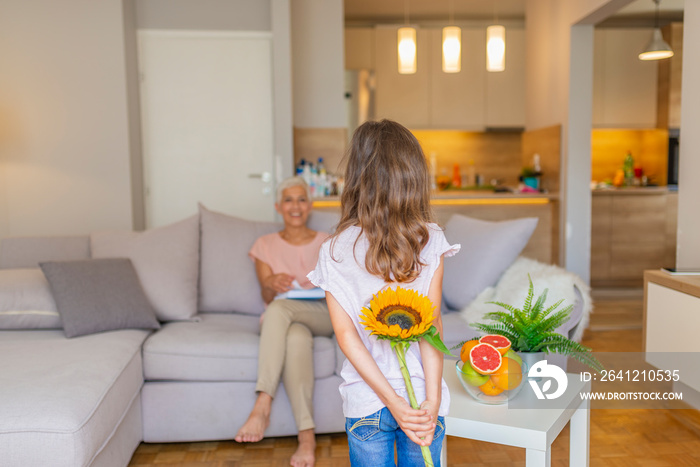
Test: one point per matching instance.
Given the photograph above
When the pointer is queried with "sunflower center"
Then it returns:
(404, 316)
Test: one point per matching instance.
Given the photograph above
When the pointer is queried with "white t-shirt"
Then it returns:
(343, 275)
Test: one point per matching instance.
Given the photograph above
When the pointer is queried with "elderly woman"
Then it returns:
(288, 326)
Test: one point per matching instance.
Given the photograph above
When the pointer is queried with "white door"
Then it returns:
(206, 109)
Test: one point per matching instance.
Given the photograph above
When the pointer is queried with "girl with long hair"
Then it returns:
(386, 237)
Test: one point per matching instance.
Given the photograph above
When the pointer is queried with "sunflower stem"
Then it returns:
(400, 349)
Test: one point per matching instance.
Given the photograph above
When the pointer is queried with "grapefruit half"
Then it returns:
(485, 358)
(501, 343)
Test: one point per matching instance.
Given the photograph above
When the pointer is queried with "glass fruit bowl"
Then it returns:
(497, 388)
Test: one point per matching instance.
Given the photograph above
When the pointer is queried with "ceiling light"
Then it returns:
(657, 48)
(406, 41)
(451, 45)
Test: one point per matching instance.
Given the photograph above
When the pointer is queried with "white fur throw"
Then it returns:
(513, 285)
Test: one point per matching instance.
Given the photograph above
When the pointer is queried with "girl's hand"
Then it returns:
(432, 408)
(280, 283)
(416, 423)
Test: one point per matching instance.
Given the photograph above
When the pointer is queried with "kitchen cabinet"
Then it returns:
(624, 87)
(472, 99)
(631, 230)
(404, 98)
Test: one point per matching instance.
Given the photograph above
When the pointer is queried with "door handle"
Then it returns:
(265, 177)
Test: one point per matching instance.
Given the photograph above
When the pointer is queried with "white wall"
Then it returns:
(318, 66)
(688, 246)
(223, 15)
(560, 91)
(64, 146)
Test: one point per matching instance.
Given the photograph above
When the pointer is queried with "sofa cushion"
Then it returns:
(61, 399)
(28, 252)
(166, 260)
(488, 248)
(96, 295)
(227, 275)
(26, 301)
(220, 347)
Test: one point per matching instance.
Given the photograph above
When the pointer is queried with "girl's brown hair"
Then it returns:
(387, 194)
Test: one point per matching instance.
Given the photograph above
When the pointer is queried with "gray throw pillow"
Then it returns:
(98, 295)
(488, 249)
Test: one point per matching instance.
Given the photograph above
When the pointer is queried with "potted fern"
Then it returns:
(532, 329)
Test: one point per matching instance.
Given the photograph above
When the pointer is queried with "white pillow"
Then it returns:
(488, 249)
(228, 281)
(166, 260)
(26, 301)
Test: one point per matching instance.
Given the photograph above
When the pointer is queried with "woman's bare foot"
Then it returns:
(306, 452)
(254, 428)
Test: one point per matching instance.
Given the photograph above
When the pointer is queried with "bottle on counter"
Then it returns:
(456, 177)
(322, 183)
(300, 168)
(628, 169)
(433, 171)
(472, 173)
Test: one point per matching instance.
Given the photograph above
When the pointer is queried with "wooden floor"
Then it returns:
(619, 438)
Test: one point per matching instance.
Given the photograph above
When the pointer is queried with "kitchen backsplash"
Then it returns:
(649, 149)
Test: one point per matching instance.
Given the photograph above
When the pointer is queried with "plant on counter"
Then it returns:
(533, 328)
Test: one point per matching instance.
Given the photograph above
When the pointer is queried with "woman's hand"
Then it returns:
(271, 284)
(417, 424)
(279, 283)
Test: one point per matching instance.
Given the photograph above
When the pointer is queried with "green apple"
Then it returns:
(471, 376)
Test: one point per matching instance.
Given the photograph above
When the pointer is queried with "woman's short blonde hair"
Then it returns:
(289, 183)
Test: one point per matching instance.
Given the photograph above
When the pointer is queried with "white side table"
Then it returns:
(532, 428)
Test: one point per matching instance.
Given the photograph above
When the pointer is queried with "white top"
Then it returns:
(346, 278)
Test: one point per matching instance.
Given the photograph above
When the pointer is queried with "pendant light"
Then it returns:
(451, 46)
(495, 44)
(495, 48)
(657, 48)
(407, 46)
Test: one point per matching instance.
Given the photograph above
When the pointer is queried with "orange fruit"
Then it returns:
(508, 376)
(502, 343)
(485, 358)
(466, 348)
(490, 389)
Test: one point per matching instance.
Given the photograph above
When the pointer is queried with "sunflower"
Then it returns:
(401, 314)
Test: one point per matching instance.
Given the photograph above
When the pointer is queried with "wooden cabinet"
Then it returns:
(630, 233)
(472, 99)
(624, 87)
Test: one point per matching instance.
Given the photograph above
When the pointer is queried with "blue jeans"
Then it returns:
(371, 440)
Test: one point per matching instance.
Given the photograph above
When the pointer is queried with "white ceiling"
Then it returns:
(391, 11)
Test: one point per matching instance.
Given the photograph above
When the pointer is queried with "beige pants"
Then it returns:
(287, 352)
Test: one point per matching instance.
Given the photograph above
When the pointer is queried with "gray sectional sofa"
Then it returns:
(90, 400)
